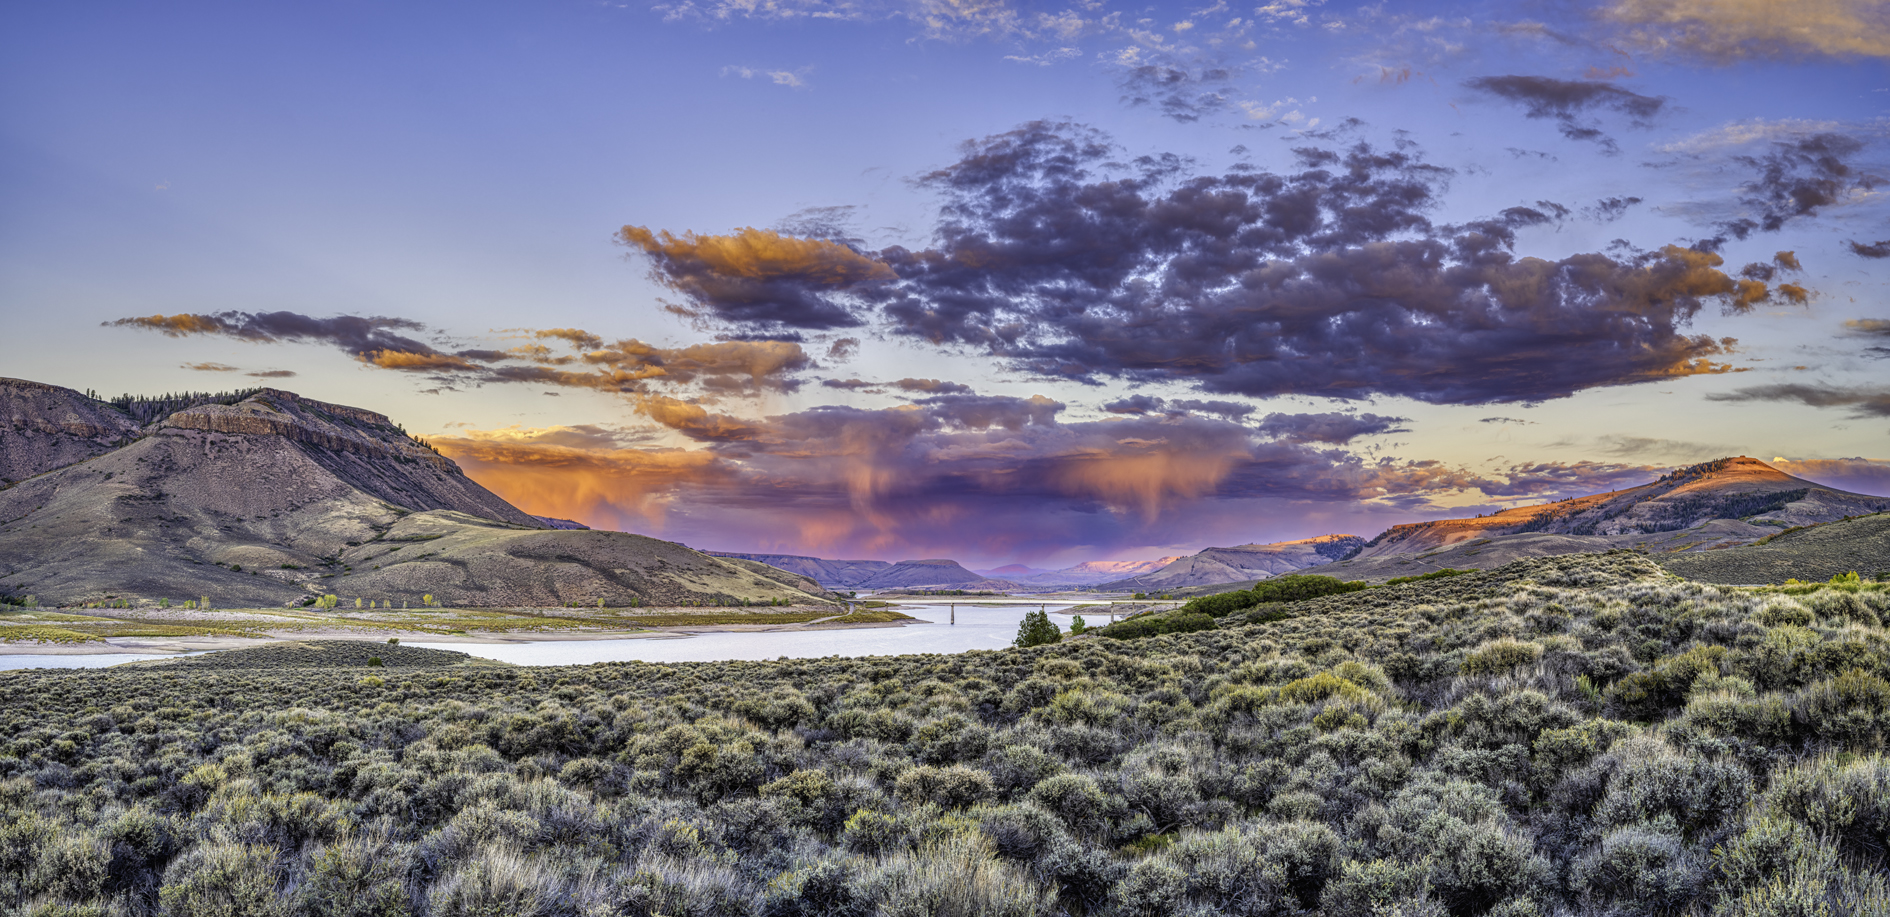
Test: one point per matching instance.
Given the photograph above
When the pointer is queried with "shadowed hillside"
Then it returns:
(1815, 553)
(275, 499)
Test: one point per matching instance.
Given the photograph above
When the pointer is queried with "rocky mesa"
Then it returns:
(268, 498)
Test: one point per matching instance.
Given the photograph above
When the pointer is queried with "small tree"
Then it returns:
(357, 604)
(327, 602)
(32, 601)
(427, 600)
(600, 603)
(1077, 626)
(1037, 630)
(203, 602)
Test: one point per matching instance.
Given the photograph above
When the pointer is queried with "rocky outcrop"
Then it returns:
(45, 427)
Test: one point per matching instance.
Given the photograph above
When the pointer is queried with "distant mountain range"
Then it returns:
(1240, 563)
(267, 498)
(1083, 574)
(878, 575)
(1706, 507)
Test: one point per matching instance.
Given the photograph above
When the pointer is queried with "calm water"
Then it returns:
(86, 661)
(978, 628)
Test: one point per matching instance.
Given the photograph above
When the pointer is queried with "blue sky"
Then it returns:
(462, 173)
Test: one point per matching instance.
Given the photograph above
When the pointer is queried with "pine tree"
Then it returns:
(1036, 630)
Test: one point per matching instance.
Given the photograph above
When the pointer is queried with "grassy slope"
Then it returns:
(1819, 552)
(1565, 735)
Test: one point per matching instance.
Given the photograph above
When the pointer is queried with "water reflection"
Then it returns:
(984, 626)
(81, 661)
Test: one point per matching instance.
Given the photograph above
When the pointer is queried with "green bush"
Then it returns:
(1174, 622)
(1294, 587)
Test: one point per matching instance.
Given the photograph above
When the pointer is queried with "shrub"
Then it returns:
(959, 876)
(1852, 709)
(1639, 868)
(951, 787)
(495, 880)
(219, 878)
(1037, 630)
(1290, 588)
(1500, 657)
(355, 877)
(1173, 622)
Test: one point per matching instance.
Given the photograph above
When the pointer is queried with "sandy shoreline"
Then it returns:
(175, 645)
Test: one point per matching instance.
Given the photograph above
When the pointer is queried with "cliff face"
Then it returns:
(277, 497)
(44, 427)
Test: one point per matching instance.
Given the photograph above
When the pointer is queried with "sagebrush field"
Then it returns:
(1574, 735)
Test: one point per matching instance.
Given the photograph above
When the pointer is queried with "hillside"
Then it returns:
(1581, 735)
(275, 498)
(1239, 563)
(43, 427)
(1708, 507)
(1816, 553)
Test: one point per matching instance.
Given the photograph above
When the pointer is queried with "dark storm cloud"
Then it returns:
(994, 474)
(851, 385)
(1179, 93)
(1229, 410)
(762, 281)
(364, 337)
(1783, 262)
(1607, 210)
(1796, 179)
(1863, 401)
(1566, 479)
(932, 387)
(1567, 101)
(1333, 428)
(1872, 250)
(1331, 281)
(1148, 404)
(627, 366)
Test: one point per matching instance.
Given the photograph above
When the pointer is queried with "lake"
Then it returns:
(985, 626)
(81, 660)
(988, 625)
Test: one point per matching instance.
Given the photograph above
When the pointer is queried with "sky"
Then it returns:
(1001, 282)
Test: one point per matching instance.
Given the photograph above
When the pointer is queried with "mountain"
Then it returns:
(1714, 505)
(1240, 563)
(1088, 573)
(1814, 553)
(1013, 571)
(873, 575)
(268, 498)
